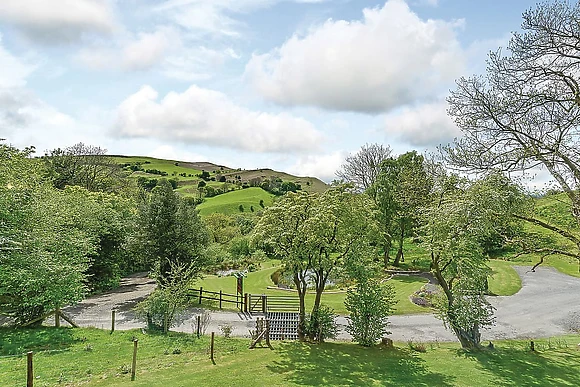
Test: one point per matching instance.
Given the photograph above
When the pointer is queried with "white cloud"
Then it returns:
(58, 20)
(202, 116)
(14, 70)
(425, 125)
(388, 59)
(322, 166)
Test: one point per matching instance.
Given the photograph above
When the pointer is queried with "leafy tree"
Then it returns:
(455, 225)
(362, 168)
(172, 232)
(525, 111)
(369, 305)
(401, 188)
(317, 234)
(84, 165)
(44, 243)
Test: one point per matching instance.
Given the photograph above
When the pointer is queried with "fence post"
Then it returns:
(220, 298)
(134, 365)
(211, 348)
(29, 371)
(198, 326)
(263, 303)
(246, 302)
(200, 294)
(113, 320)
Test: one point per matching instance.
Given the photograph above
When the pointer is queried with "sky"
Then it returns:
(293, 85)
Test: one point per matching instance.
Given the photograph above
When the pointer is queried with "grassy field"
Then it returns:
(258, 281)
(504, 281)
(229, 203)
(90, 357)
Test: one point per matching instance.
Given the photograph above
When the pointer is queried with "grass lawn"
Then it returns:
(90, 357)
(258, 281)
(504, 280)
(229, 203)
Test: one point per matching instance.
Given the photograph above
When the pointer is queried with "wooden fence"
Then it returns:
(249, 303)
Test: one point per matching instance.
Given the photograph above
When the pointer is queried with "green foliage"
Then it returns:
(321, 324)
(166, 306)
(228, 203)
(172, 231)
(369, 304)
(455, 226)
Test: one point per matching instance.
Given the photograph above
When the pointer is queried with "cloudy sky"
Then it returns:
(294, 85)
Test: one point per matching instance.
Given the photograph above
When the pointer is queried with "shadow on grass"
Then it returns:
(18, 341)
(518, 367)
(350, 365)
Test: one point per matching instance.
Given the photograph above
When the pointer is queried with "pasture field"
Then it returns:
(229, 203)
(92, 357)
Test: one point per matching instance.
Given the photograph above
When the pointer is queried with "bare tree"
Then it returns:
(363, 167)
(525, 111)
(87, 166)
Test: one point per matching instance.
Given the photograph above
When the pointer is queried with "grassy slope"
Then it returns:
(555, 363)
(257, 283)
(229, 203)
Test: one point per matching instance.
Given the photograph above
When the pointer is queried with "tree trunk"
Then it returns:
(387, 247)
(302, 308)
(399, 256)
(469, 339)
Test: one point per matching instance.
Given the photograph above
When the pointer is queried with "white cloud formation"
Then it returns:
(14, 70)
(323, 166)
(388, 59)
(58, 20)
(424, 125)
(203, 116)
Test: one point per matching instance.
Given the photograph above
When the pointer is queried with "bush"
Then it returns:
(321, 324)
(369, 305)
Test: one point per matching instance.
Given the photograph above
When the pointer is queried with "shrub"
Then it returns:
(321, 324)
(369, 305)
(241, 208)
(226, 330)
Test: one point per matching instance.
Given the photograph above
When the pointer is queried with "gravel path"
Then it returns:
(547, 305)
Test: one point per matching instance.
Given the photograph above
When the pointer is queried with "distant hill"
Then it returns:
(225, 180)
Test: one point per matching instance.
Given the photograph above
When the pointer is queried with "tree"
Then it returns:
(456, 224)
(172, 232)
(84, 165)
(525, 111)
(362, 168)
(369, 305)
(44, 239)
(401, 188)
(317, 234)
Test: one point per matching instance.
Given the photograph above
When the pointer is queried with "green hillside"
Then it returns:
(230, 202)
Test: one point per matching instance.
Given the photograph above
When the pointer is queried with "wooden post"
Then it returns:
(268, 334)
(263, 303)
(200, 294)
(198, 326)
(134, 365)
(220, 298)
(246, 302)
(211, 348)
(532, 346)
(57, 318)
(113, 320)
(29, 371)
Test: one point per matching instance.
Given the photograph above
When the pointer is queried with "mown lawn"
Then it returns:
(504, 280)
(90, 357)
(257, 283)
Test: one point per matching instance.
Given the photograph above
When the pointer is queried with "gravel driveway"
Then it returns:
(547, 305)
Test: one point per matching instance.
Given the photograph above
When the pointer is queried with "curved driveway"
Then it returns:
(547, 305)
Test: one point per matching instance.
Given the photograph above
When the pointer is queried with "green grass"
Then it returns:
(162, 165)
(229, 203)
(504, 280)
(257, 283)
(555, 363)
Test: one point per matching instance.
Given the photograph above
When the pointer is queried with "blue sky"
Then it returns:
(294, 85)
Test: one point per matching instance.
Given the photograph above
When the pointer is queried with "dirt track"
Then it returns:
(547, 305)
